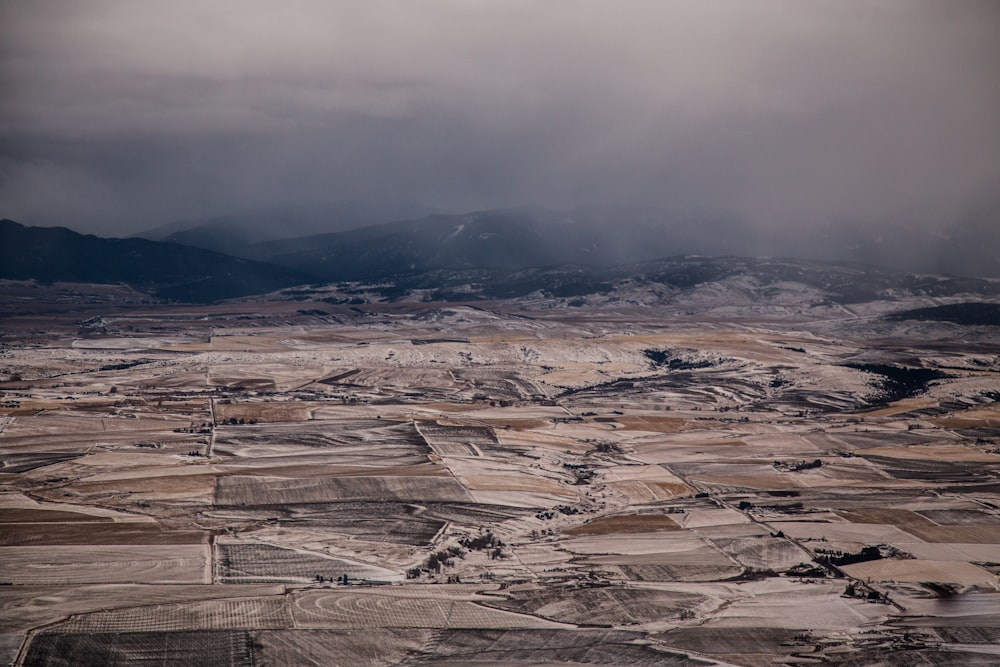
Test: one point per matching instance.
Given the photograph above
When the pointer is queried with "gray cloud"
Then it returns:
(120, 115)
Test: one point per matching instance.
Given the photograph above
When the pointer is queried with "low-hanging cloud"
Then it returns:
(121, 115)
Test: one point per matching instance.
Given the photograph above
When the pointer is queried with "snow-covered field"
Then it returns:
(669, 463)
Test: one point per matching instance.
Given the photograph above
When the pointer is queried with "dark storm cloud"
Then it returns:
(121, 115)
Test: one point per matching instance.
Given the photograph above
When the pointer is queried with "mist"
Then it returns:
(118, 116)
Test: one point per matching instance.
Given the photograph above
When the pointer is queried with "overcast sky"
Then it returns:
(116, 116)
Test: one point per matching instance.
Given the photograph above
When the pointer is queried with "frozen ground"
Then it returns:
(734, 473)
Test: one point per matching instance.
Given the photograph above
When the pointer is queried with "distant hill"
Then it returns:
(508, 249)
(830, 282)
(167, 270)
(507, 240)
(248, 234)
(606, 235)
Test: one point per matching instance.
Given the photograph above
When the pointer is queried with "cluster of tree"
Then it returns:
(203, 428)
(867, 553)
(806, 570)
(484, 541)
(568, 510)
(437, 561)
(583, 474)
(674, 362)
(860, 590)
(534, 534)
(233, 421)
(481, 541)
(795, 466)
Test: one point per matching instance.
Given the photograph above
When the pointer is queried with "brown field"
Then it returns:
(601, 606)
(517, 424)
(698, 556)
(667, 572)
(35, 516)
(32, 605)
(905, 405)
(960, 517)
(969, 553)
(247, 563)
(762, 552)
(969, 421)
(902, 518)
(336, 609)
(760, 482)
(446, 449)
(625, 524)
(31, 407)
(238, 490)
(853, 535)
(679, 559)
(105, 564)
(783, 603)
(655, 424)
(451, 407)
(511, 483)
(957, 534)
(270, 612)
(701, 518)
(944, 452)
(83, 442)
(751, 646)
(641, 491)
(190, 647)
(984, 415)
(248, 344)
(56, 423)
(355, 647)
(75, 532)
(925, 529)
(129, 490)
(321, 468)
(952, 572)
(264, 412)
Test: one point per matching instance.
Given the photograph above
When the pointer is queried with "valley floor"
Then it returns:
(707, 481)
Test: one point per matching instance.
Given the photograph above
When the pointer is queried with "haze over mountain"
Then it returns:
(238, 233)
(587, 236)
(492, 254)
(121, 116)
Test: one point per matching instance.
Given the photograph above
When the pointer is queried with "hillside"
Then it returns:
(600, 236)
(250, 234)
(166, 270)
(503, 240)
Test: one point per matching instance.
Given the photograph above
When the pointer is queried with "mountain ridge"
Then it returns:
(247, 233)
(601, 235)
(165, 270)
(500, 254)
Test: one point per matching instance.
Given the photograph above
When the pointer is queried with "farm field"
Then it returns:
(640, 482)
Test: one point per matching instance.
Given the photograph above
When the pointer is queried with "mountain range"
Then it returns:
(165, 270)
(360, 241)
(509, 249)
(248, 234)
